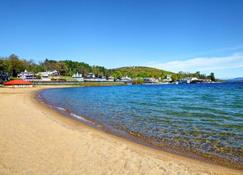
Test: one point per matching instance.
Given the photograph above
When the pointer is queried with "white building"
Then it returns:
(78, 77)
(151, 80)
(49, 73)
(167, 78)
(46, 76)
(90, 75)
(26, 75)
(188, 80)
(126, 79)
(111, 79)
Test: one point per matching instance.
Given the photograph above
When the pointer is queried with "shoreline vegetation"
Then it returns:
(42, 141)
(63, 71)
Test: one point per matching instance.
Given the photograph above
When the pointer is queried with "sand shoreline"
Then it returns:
(37, 140)
(140, 139)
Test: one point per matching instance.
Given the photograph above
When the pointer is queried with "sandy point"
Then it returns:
(37, 140)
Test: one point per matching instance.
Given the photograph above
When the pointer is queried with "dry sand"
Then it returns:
(37, 140)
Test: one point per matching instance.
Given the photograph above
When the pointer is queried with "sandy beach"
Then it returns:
(35, 139)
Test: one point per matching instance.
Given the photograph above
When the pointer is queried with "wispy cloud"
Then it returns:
(232, 48)
(203, 64)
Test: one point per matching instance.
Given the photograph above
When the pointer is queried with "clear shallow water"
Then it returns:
(200, 118)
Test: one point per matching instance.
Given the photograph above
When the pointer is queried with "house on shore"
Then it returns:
(125, 79)
(46, 76)
(92, 78)
(188, 80)
(151, 80)
(78, 77)
(90, 75)
(26, 76)
(111, 79)
(168, 79)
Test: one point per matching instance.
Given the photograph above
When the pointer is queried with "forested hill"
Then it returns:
(139, 71)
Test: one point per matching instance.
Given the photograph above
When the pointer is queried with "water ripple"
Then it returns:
(202, 118)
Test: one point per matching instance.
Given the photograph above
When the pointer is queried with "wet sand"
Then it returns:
(37, 140)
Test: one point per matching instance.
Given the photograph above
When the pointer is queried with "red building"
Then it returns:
(18, 83)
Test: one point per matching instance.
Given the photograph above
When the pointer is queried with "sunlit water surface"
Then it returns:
(203, 118)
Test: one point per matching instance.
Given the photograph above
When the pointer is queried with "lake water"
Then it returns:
(203, 119)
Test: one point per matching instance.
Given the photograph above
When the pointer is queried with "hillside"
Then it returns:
(139, 71)
(239, 79)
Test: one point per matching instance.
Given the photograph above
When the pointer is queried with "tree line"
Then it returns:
(14, 65)
(181, 75)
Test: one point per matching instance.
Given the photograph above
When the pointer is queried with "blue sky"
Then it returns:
(183, 35)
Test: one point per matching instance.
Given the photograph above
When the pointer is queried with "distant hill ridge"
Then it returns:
(141, 71)
(236, 79)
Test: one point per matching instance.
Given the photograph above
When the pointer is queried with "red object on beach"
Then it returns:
(17, 82)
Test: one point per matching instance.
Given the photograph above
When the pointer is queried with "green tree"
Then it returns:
(175, 77)
(3, 65)
(16, 65)
(117, 75)
(62, 68)
(212, 77)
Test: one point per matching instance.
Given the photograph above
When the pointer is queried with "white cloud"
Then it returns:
(203, 64)
(233, 48)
